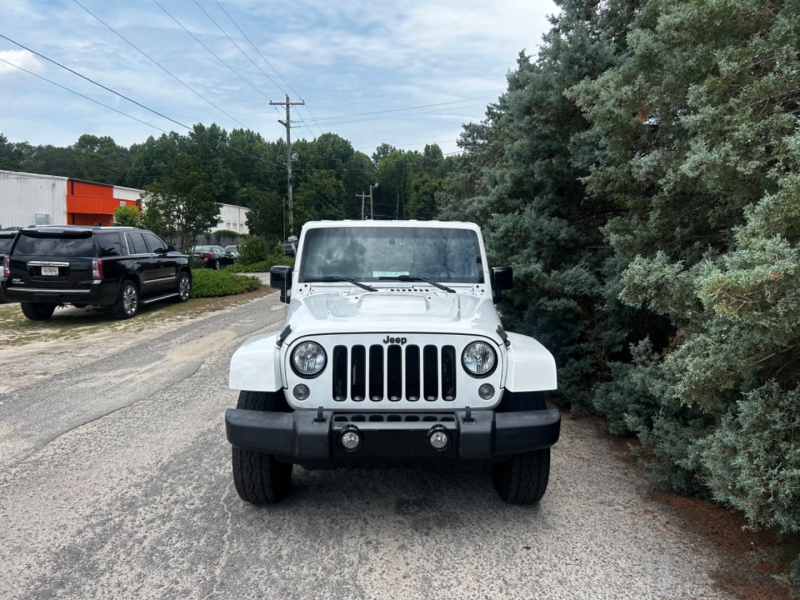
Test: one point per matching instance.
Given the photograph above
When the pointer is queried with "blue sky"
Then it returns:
(344, 59)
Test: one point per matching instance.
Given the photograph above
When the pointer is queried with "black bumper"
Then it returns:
(312, 439)
(100, 294)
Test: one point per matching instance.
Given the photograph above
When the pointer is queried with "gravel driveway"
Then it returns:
(115, 483)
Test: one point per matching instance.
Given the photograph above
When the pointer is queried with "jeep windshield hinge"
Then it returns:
(284, 334)
(504, 336)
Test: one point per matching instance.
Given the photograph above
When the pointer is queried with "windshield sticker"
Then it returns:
(389, 273)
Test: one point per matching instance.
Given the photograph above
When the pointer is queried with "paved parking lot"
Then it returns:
(115, 483)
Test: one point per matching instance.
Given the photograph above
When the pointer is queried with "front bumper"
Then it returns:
(311, 438)
(100, 293)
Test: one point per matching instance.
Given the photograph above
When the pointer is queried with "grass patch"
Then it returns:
(211, 284)
(261, 267)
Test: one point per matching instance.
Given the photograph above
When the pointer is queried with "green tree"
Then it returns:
(127, 216)
(266, 218)
(173, 213)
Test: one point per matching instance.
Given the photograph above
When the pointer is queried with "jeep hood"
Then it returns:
(393, 312)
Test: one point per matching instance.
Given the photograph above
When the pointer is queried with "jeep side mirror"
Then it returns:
(502, 279)
(171, 248)
(280, 278)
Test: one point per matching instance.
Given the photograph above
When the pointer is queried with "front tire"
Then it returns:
(37, 311)
(127, 304)
(216, 265)
(523, 479)
(260, 478)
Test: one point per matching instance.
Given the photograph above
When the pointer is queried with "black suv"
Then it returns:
(6, 239)
(118, 267)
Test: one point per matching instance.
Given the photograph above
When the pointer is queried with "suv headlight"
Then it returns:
(479, 359)
(308, 359)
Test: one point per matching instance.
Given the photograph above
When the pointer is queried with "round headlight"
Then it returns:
(479, 359)
(308, 359)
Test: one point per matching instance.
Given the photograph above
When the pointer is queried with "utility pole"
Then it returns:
(288, 125)
(362, 195)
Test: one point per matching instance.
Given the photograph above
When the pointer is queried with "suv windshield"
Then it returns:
(369, 253)
(54, 245)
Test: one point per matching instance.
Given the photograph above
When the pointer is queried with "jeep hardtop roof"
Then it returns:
(391, 223)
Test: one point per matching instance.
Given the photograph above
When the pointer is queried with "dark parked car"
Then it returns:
(6, 238)
(213, 257)
(233, 251)
(290, 246)
(117, 267)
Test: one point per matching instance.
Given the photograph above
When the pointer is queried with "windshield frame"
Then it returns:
(482, 278)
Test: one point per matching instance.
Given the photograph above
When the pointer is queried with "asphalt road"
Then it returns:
(115, 483)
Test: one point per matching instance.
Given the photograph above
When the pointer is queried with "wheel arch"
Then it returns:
(256, 365)
(531, 367)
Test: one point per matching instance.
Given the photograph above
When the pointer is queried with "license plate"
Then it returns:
(50, 271)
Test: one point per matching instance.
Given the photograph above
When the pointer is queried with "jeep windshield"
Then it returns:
(441, 254)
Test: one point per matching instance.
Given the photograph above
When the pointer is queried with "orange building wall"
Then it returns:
(91, 203)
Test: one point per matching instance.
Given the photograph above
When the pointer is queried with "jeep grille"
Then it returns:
(364, 373)
(394, 373)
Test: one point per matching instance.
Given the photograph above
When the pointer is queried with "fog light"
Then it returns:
(438, 438)
(350, 439)
(301, 391)
(486, 391)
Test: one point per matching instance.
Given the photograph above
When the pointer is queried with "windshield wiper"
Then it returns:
(330, 278)
(416, 278)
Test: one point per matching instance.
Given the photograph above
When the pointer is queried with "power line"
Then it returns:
(82, 96)
(258, 51)
(264, 58)
(95, 82)
(234, 71)
(332, 118)
(152, 60)
(238, 48)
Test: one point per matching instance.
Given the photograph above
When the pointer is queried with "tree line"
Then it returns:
(641, 174)
(209, 165)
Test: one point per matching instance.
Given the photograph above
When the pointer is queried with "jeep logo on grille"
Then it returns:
(395, 340)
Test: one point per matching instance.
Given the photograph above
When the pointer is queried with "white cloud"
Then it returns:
(21, 58)
(349, 57)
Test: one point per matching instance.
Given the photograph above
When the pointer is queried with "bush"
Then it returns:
(207, 283)
(252, 250)
(262, 266)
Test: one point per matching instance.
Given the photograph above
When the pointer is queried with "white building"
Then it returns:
(233, 218)
(33, 199)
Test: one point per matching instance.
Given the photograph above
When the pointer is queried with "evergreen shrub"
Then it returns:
(207, 283)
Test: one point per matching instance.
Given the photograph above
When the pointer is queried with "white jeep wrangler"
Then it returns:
(392, 355)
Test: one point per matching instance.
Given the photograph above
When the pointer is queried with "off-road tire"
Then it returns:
(184, 293)
(37, 311)
(260, 478)
(127, 304)
(523, 478)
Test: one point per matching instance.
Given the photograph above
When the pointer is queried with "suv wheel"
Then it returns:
(184, 287)
(127, 304)
(523, 478)
(260, 478)
(37, 311)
